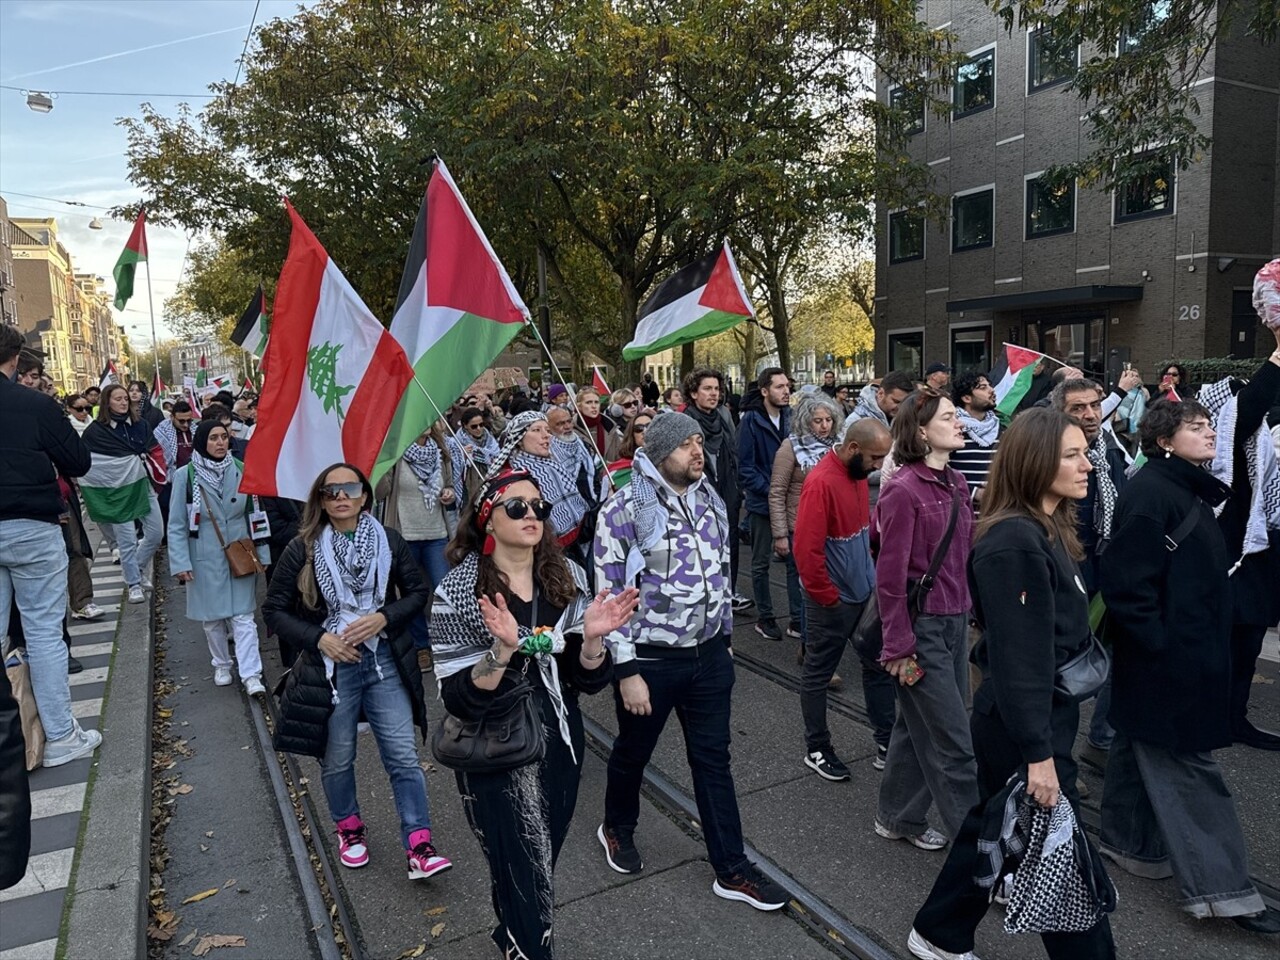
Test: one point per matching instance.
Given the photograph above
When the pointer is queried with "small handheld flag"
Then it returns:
(134, 253)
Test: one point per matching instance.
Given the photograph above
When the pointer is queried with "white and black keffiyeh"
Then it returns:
(809, 449)
(1260, 463)
(1105, 507)
(459, 637)
(352, 574)
(514, 432)
(427, 465)
(982, 432)
(209, 476)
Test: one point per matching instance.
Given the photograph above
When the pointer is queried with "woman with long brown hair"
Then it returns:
(514, 619)
(344, 593)
(1032, 604)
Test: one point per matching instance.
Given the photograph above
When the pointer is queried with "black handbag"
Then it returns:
(1084, 674)
(868, 635)
(506, 738)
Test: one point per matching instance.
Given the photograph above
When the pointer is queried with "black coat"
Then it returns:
(1169, 611)
(35, 436)
(15, 795)
(306, 699)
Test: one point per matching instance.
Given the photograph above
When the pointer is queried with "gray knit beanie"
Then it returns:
(666, 432)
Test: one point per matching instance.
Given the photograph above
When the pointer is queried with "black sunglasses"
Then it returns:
(81, 409)
(518, 507)
(352, 488)
(629, 404)
(639, 428)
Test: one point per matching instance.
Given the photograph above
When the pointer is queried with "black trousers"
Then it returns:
(1246, 645)
(520, 819)
(828, 630)
(956, 905)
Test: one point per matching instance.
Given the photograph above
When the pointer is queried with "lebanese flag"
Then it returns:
(701, 299)
(597, 381)
(134, 253)
(333, 369)
(456, 311)
(1012, 377)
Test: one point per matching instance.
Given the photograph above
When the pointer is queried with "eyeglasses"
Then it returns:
(180, 421)
(81, 409)
(517, 508)
(629, 404)
(639, 427)
(351, 489)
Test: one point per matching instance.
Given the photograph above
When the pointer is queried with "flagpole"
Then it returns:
(454, 433)
(155, 343)
(573, 403)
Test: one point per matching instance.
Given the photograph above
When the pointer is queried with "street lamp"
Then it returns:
(39, 101)
(95, 224)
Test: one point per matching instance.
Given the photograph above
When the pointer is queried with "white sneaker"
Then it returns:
(90, 611)
(922, 948)
(136, 595)
(253, 686)
(76, 744)
(147, 584)
(222, 676)
(115, 555)
(931, 839)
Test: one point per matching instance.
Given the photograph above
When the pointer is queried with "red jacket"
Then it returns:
(832, 544)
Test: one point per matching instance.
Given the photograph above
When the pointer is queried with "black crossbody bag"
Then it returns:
(868, 635)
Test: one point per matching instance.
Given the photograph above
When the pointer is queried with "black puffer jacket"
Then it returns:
(15, 796)
(306, 699)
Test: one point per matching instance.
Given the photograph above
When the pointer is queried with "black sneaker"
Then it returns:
(826, 765)
(1268, 921)
(768, 629)
(794, 631)
(740, 603)
(878, 761)
(752, 887)
(74, 665)
(619, 849)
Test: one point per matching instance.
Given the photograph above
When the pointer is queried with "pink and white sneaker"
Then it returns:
(351, 843)
(424, 862)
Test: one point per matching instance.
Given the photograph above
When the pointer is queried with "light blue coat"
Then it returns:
(214, 594)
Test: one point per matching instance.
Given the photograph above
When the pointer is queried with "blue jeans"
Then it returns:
(430, 556)
(385, 703)
(135, 554)
(33, 572)
(699, 689)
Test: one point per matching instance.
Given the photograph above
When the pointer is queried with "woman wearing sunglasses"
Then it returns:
(79, 412)
(623, 406)
(514, 614)
(344, 593)
(632, 440)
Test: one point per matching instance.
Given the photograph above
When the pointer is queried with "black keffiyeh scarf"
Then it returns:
(427, 465)
(1105, 508)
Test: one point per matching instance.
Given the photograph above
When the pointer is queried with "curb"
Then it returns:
(108, 913)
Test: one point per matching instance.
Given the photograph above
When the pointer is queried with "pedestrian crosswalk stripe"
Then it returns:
(57, 800)
(92, 649)
(44, 950)
(86, 708)
(45, 872)
(88, 629)
(94, 675)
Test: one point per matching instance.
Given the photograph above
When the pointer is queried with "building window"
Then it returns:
(906, 236)
(973, 220)
(1051, 209)
(970, 350)
(1050, 60)
(910, 105)
(1077, 344)
(1156, 13)
(975, 88)
(1151, 195)
(906, 353)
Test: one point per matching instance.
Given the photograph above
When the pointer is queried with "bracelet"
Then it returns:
(598, 656)
(490, 658)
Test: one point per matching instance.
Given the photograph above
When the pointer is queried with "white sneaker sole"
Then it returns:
(608, 859)
(416, 874)
(220, 682)
(354, 866)
(816, 768)
(922, 948)
(726, 894)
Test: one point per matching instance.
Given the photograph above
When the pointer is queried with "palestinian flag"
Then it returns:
(202, 372)
(598, 384)
(456, 311)
(108, 376)
(250, 334)
(333, 370)
(117, 487)
(134, 253)
(189, 394)
(247, 387)
(1012, 377)
(695, 302)
(620, 472)
(157, 390)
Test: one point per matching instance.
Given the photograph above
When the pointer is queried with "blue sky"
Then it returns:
(76, 152)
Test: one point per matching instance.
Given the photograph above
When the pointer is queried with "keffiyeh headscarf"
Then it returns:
(209, 472)
(514, 432)
(352, 574)
(1260, 462)
(459, 637)
(556, 483)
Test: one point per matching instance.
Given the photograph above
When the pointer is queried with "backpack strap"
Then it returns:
(1174, 540)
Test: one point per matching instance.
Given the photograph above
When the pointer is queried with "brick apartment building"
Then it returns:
(1156, 272)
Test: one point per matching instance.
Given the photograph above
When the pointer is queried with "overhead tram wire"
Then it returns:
(245, 49)
(112, 93)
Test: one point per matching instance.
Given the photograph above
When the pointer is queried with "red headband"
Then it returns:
(495, 486)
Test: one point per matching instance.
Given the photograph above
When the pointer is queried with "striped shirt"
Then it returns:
(973, 462)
